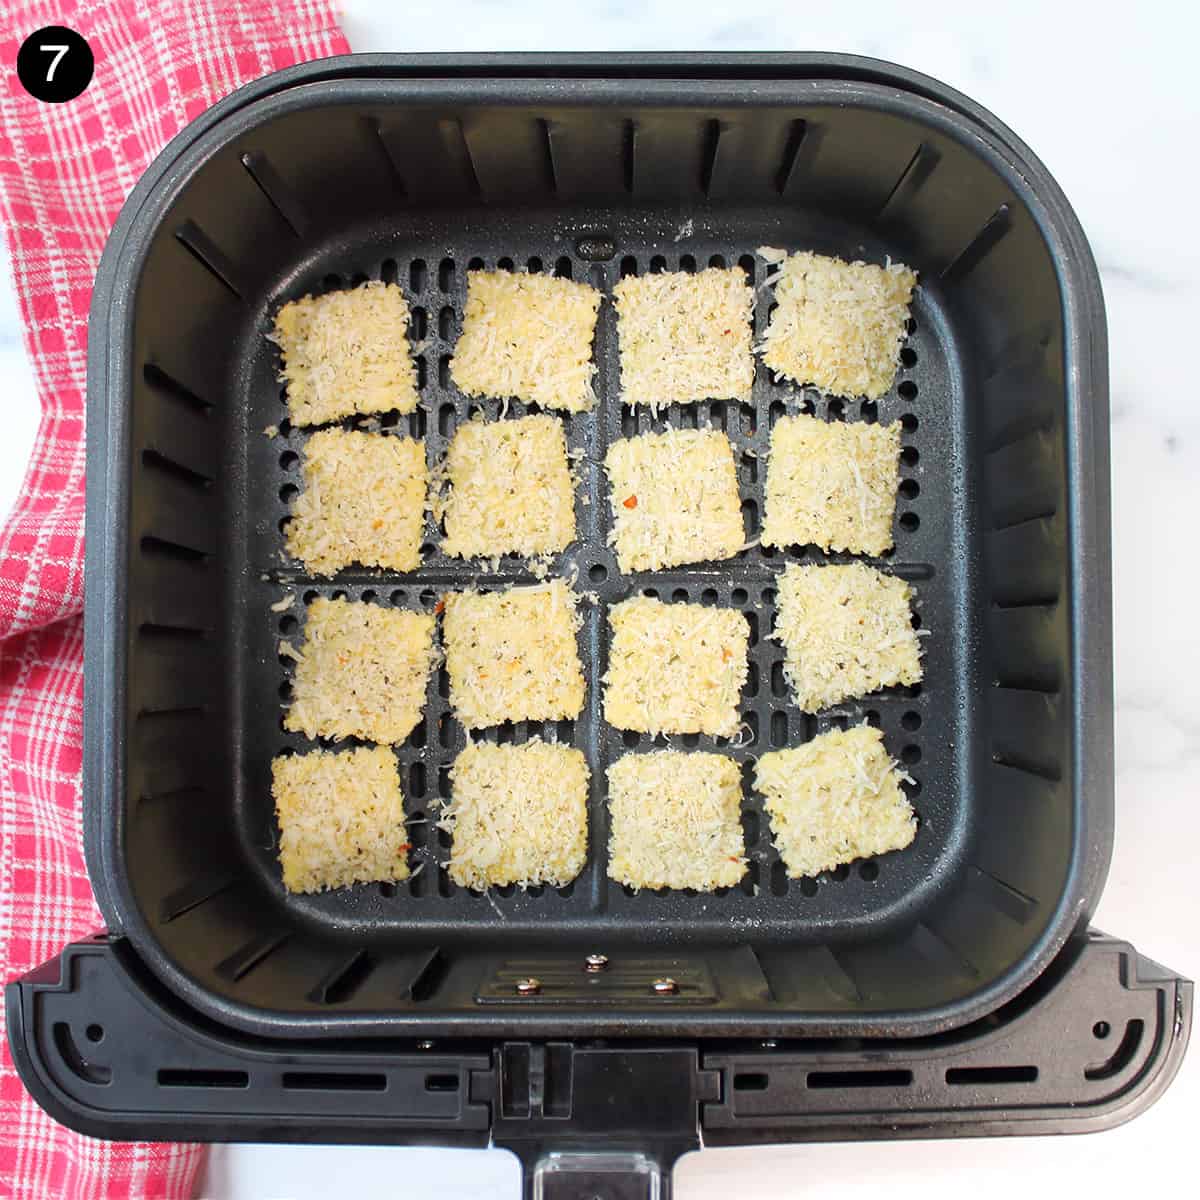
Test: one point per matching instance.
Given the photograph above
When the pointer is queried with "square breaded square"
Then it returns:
(675, 668)
(341, 818)
(528, 336)
(846, 630)
(363, 502)
(685, 337)
(361, 671)
(512, 655)
(675, 821)
(509, 489)
(834, 799)
(832, 484)
(674, 499)
(346, 352)
(518, 815)
(837, 325)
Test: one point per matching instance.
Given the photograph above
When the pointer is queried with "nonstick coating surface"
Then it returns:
(926, 727)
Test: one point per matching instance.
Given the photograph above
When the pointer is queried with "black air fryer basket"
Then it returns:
(952, 988)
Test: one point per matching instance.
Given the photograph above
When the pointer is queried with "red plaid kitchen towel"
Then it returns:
(64, 171)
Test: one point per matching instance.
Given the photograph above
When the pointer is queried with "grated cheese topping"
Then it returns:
(528, 336)
(341, 818)
(512, 655)
(675, 821)
(518, 814)
(847, 630)
(674, 499)
(834, 799)
(685, 337)
(362, 671)
(832, 484)
(509, 489)
(346, 352)
(363, 502)
(675, 668)
(838, 325)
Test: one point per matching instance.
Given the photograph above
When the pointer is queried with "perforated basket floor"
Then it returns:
(921, 724)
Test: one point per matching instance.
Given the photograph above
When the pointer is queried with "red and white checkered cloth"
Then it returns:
(64, 171)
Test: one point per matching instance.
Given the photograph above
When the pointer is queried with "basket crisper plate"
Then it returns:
(926, 727)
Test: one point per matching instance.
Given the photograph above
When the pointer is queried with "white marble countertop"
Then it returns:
(1111, 109)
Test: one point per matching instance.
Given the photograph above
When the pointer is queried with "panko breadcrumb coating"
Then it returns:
(512, 655)
(361, 671)
(832, 484)
(837, 325)
(346, 352)
(675, 668)
(529, 337)
(847, 631)
(518, 815)
(341, 818)
(675, 499)
(509, 489)
(675, 821)
(685, 337)
(363, 502)
(834, 799)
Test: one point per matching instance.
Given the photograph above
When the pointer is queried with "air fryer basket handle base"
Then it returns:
(105, 1051)
(599, 1120)
(612, 1174)
(594, 1174)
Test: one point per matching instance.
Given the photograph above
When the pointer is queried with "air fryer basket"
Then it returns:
(374, 169)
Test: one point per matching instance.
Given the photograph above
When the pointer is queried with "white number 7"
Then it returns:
(58, 52)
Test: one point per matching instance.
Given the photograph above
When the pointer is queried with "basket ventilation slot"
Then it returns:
(980, 246)
(989, 1076)
(281, 197)
(206, 252)
(335, 1081)
(167, 385)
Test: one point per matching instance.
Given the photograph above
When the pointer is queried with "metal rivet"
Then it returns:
(528, 987)
(665, 986)
(595, 963)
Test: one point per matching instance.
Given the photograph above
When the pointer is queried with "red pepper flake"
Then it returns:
(405, 848)
(734, 858)
(725, 331)
(440, 606)
(726, 653)
(630, 502)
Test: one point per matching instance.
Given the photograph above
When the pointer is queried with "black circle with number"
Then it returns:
(55, 64)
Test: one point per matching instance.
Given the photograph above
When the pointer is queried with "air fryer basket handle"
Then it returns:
(108, 1052)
